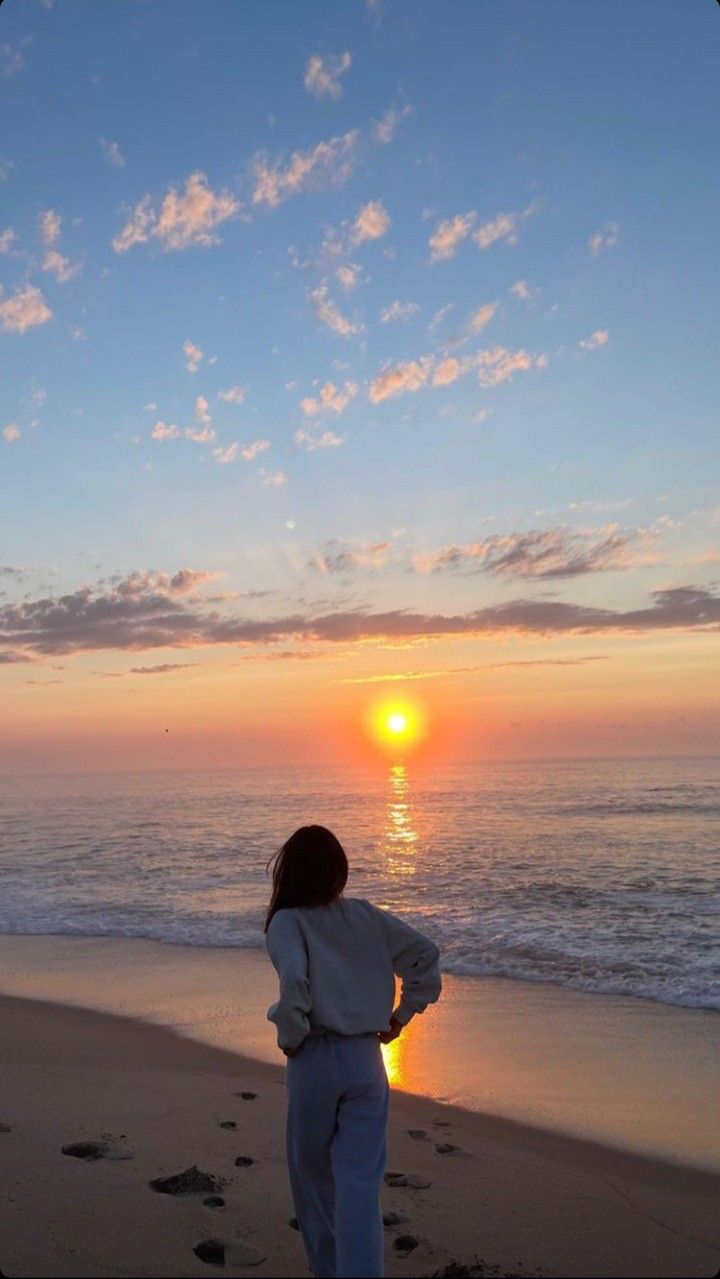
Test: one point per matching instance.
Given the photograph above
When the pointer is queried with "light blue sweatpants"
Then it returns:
(336, 1137)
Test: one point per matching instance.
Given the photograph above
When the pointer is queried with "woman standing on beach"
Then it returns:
(336, 958)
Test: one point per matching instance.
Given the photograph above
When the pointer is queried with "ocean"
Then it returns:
(598, 875)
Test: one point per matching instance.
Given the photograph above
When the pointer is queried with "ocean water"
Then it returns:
(596, 875)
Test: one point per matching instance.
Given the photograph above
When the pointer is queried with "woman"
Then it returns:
(336, 958)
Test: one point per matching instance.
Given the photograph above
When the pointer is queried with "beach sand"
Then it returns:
(523, 1200)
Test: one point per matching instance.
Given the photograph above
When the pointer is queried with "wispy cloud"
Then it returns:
(386, 127)
(482, 317)
(24, 310)
(229, 452)
(599, 338)
(330, 398)
(193, 356)
(606, 238)
(273, 479)
(410, 375)
(329, 314)
(348, 275)
(398, 310)
(143, 612)
(112, 153)
(165, 431)
(452, 671)
(54, 261)
(12, 59)
(7, 239)
(546, 553)
(322, 75)
(183, 219)
(327, 440)
(329, 162)
(341, 557)
(450, 233)
(233, 395)
(372, 222)
(11, 433)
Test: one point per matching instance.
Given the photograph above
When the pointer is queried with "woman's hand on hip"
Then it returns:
(387, 1036)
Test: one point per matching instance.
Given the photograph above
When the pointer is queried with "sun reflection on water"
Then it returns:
(399, 836)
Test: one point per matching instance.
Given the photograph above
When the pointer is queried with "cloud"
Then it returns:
(183, 220)
(494, 366)
(11, 59)
(7, 239)
(482, 316)
(329, 399)
(113, 154)
(328, 440)
(226, 453)
(6, 168)
(233, 395)
(328, 162)
(348, 275)
(273, 479)
(548, 553)
(606, 238)
(50, 224)
(411, 375)
(202, 410)
(439, 316)
(523, 290)
(372, 222)
(397, 310)
(498, 365)
(337, 557)
(468, 670)
(447, 371)
(143, 612)
(249, 452)
(193, 356)
(60, 266)
(326, 312)
(448, 234)
(163, 668)
(503, 227)
(599, 338)
(164, 431)
(385, 129)
(11, 432)
(322, 75)
(25, 309)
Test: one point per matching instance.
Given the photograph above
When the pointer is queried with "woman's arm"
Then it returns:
(286, 949)
(416, 961)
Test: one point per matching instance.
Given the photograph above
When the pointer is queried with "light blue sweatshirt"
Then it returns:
(337, 967)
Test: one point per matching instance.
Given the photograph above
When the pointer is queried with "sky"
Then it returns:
(352, 353)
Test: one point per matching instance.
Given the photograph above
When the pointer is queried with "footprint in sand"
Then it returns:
(244, 1161)
(227, 1123)
(5, 1128)
(445, 1148)
(94, 1150)
(246, 1096)
(405, 1244)
(441, 1123)
(391, 1219)
(214, 1201)
(294, 1224)
(216, 1253)
(417, 1134)
(412, 1180)
(193, 1181)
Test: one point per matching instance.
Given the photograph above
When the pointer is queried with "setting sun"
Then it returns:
(396, 724)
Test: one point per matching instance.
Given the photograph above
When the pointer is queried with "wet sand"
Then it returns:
(624, 1072)
(526, 1201)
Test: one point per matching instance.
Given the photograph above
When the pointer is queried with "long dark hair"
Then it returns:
(310, 869)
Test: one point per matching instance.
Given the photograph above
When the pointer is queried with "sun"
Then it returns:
(397, 722)
(395, 725)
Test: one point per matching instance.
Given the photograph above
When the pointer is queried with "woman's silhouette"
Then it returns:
(336, 958)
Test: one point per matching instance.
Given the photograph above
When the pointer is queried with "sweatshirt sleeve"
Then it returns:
(286, 948)
(416, 961)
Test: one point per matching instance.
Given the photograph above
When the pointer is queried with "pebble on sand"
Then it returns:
(193, 1181)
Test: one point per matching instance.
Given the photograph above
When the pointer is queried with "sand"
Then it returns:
(518, 1198)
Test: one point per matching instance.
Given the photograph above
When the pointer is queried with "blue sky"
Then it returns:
(453, 268)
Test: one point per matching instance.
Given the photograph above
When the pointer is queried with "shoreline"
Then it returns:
(541, 1201)
(623, 1073)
